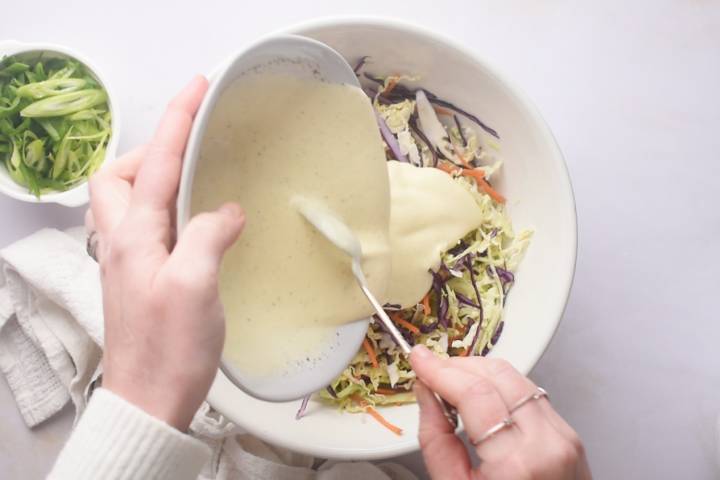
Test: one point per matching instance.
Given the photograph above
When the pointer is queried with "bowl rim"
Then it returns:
(336, 21)
(77, 195)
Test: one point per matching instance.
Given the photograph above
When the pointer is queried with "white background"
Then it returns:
(632, 92)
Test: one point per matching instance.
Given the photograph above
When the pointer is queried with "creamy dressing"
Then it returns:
(430, 212)
(285, 287)
(273, 139)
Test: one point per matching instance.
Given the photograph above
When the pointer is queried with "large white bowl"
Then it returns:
(79, 194)
(536, 182)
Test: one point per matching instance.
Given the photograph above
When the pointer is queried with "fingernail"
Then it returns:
(232, 209)
(421, 352)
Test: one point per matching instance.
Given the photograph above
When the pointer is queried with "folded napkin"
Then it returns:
(51, 332)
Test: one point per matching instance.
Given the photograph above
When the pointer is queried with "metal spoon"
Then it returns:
(340, 235)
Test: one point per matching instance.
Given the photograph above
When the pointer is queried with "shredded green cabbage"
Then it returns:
(493, 250)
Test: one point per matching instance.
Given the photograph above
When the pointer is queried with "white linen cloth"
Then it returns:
(51, 334)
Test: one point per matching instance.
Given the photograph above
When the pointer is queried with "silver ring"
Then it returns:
(537, 395)
(494, 430)
(91, 245)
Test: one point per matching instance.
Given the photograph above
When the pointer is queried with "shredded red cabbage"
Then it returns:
(301, 411)
(430, 327)
(390, 139)
(459, 110)
(468, 264)
(438, 287)
(369, 92)
(498, 332)
(476, 337)
(360, 64)
(463, 299)
(401, 92)
(443, 310)
(331, 391)
(373, 78)
(413, 125)
(459, 248)
(506, 276)
(460, 131)
(409, 338)
(380, 324)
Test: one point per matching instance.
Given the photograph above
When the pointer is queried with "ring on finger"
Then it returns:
(494, 430)
(91, 245)
(536, 395)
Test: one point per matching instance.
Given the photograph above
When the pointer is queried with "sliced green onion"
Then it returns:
(10, 107)
(49, 127)
(15, 157)
(14, 68)
(55, 123)
(35, 155)
(89, 114)
(92, 136)
(15, 173)
(64, 104)
(50, 88)
(61, 158)
(65, 72)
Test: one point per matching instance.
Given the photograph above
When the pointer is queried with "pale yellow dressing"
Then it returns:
(430, 212)
(284, 287)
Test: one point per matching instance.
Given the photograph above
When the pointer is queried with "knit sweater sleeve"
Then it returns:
(116, 440)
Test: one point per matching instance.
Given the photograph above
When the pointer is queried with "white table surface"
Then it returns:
(632, 91)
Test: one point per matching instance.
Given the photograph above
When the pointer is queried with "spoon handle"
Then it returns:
(450, 412)
(387, 323)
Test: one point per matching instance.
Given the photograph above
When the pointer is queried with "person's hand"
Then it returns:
(164, 323)
(539, 445)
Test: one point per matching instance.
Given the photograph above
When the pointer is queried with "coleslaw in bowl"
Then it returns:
(533, 178)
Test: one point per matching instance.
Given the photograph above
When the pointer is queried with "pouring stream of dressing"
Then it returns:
(340, 235)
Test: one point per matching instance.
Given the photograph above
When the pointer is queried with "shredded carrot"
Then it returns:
(404, 323)
(490, 191)
(426, 304)
(479, 175)
(386, 391)
(390, 86)
(376, 415)
(447, 168)
(383, 421)
(476, 173)
(442, 111)
(371, 352)
(462, 158)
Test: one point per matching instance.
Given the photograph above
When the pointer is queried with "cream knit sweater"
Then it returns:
(116, 440)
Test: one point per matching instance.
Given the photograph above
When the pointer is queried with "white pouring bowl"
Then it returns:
(78, 195)
(534, 179)
(303, 58)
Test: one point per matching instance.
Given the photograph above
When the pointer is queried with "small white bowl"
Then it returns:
(534, 179)
(77, 195)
